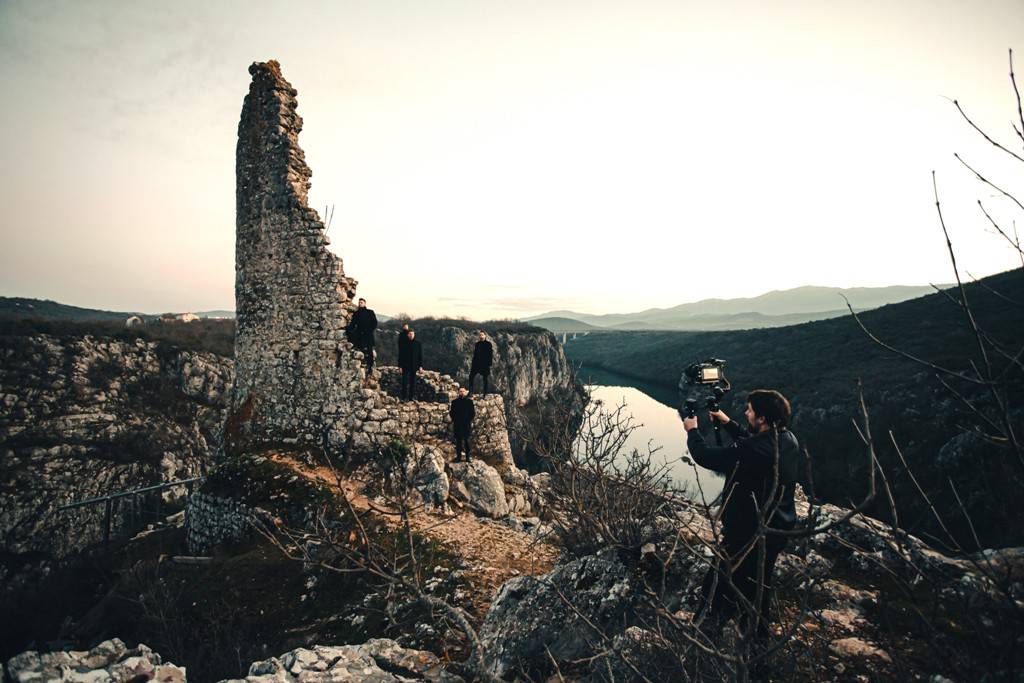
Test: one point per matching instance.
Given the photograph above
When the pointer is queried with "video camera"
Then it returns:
(707, 372)
(710, 371)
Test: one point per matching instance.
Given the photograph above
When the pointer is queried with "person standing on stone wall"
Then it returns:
(462, 413)
(403, 338)
(361, 331)
(410, 359)
(483, 356)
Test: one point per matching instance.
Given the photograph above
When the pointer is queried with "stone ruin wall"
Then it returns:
(298, 381)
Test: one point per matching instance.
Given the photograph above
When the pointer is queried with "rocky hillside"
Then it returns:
(84, 417)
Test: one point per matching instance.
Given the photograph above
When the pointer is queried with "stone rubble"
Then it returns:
(379, 660)
(109, 662)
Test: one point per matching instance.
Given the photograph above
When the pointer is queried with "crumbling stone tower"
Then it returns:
(299, 383)
(297, 379)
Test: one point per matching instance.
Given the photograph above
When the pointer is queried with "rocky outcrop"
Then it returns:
(379, 660)
(846, 572)
(528, 365)
(533, 616)
(109, 662)
(83, 417)
(530, 370)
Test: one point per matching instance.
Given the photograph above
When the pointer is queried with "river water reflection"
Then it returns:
(652, 407)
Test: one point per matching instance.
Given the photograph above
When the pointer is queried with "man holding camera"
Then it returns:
(761, 467)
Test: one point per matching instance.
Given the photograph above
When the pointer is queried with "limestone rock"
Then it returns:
(481, 487)
(377, 661)
(855, 647)
(84, 417)
(528, 618)
(428, 475)
(109, 662)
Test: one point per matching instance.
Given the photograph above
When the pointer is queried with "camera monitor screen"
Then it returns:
(709, 375)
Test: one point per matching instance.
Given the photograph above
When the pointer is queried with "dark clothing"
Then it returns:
(483, 356)
(486, 374)
(362, 327)
(462, 445)
(749, 465)
(408, 382)
(462, 413)
(403, 340)
(360, 333)
(723, 602)
(410, 356)
(410, 359)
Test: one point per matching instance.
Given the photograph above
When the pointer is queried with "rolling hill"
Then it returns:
(773, 309)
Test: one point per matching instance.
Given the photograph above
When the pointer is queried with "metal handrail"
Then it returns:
(108, 500)
(121, 494)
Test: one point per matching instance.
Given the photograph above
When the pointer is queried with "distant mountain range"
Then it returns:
(774, 309)
(20, 307)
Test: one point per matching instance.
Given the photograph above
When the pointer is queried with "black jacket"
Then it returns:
(410, 356)
(362, 326)
(749, 465)
(403, 341)
(483, 355)
(462, 413)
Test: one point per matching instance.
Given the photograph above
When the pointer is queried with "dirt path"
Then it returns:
(493, 553)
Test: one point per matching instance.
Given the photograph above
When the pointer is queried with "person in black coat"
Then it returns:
(410, 359)
(749, 465)
(462, 413)
(403, 338)
(483, 355)
(361, 330)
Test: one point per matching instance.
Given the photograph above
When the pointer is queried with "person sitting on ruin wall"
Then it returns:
(361, 329)
(483, 356)
(410, 360)
(462, 413)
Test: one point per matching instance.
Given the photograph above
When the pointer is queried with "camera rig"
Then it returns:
(709, 372)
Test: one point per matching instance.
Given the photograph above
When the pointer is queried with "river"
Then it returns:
(652, 407)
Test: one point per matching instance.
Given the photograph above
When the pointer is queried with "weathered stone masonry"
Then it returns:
(296, 377)
(298, 381)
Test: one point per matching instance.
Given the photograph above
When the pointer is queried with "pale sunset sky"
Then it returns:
(502, 159)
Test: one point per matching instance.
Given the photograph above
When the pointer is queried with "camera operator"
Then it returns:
(750, 467)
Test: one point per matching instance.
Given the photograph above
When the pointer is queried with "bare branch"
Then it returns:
(983, 134)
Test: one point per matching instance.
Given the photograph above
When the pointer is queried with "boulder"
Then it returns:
(481, 487)
(428, 475)
(530, 617)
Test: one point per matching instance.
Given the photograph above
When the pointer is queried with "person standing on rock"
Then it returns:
(361, 331)
(483, 355)
(462, 413)
(761, 467)
(410, 359)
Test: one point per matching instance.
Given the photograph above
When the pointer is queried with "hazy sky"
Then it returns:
(497, 159)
